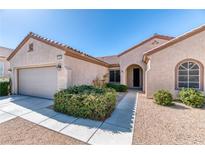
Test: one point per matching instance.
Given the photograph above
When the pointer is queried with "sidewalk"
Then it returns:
(118, 129)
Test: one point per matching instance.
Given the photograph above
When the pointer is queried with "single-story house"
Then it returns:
(41, 66)
(4, 64)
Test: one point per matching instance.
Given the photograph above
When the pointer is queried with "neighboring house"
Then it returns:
(41, 66)
(4, 64)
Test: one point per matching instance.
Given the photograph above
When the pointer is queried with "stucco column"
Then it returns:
(62, 78)
(123, 76)
(14, 81)
(147, 81)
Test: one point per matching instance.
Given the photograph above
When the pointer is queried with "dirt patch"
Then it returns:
(178, 124)
(20, 131)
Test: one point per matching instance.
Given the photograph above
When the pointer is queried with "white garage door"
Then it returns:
(40, 82)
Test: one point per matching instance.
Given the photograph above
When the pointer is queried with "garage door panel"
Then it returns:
(41, 82)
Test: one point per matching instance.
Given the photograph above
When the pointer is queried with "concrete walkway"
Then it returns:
(118, 129)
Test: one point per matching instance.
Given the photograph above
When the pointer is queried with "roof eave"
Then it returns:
(145, 41)
(18, 47)
(114, 65)
(67, 49)
(175, 40)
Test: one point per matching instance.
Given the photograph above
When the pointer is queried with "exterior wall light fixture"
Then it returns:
(9, 70)
(58, 66)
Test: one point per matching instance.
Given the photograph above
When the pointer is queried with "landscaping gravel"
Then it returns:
(20, 131)
(178, 124)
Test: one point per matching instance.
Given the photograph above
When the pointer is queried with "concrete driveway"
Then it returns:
(118, 129)
(13, 106)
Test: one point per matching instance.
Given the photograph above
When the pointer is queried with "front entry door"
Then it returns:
(136, 77)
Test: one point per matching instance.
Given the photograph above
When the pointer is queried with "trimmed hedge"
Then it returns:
(163, 97)
(117, 87)
(4, 87)
(191, 97)
(86, 102)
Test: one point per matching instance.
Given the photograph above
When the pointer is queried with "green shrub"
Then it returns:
(86, 102)
(4, 87)
(191, 97)
(163, 97)
(117, 87)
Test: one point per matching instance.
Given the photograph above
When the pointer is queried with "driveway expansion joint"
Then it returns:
(117, 129)
(68, 124)
(95, 132)
(47, 119)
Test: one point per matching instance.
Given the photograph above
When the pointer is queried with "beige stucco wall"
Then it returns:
(73, 71)
(42, 55)
(161, 74)
(83, 72)
(135, 57)
(4, 53)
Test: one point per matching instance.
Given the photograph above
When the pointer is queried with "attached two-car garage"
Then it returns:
(40, 67)
(37, 81)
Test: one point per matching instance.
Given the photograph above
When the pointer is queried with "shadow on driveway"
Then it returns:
(121, 120)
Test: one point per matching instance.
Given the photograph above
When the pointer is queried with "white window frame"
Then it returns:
(188, 75)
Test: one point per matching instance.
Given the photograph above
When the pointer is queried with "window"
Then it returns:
(155, 42)
(30, 47)
(114, 75)
(1, 69)
(189, 75)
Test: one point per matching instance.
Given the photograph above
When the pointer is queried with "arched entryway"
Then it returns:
(134, 76)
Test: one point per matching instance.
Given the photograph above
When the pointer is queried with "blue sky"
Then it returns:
(96, 32)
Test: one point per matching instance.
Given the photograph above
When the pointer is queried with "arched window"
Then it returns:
(188, 75)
